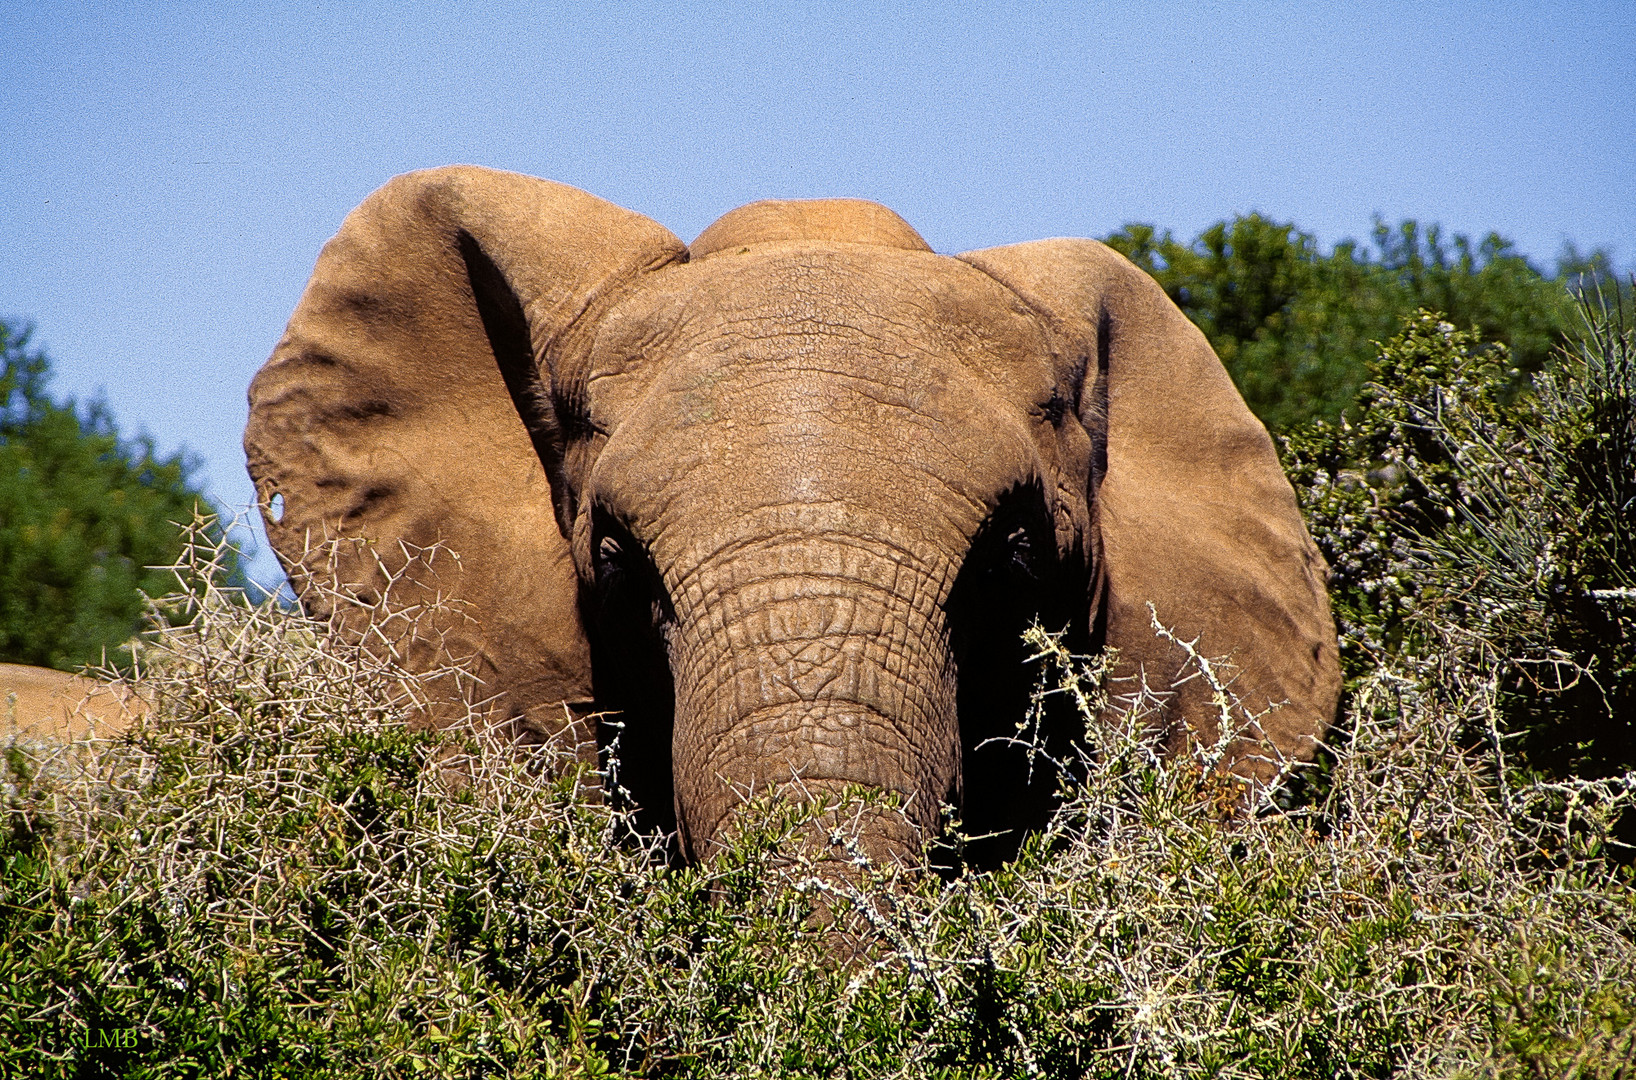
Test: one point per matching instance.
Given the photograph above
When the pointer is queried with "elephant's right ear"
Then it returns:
(404, 432)
(1191, 511)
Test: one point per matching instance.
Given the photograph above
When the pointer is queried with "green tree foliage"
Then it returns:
(1297, 328)
(85, 517)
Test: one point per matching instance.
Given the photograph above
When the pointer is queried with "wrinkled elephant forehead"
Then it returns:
(898, 381)
(832, 307)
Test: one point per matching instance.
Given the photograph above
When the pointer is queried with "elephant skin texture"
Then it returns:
(42, 705)
(782, 502)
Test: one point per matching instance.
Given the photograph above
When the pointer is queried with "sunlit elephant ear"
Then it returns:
(397, 434)
(1191, 511)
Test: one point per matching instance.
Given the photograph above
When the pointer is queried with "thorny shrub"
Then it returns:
(277, 877)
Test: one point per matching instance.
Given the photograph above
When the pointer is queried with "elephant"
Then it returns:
(769, 512)
(40, 704)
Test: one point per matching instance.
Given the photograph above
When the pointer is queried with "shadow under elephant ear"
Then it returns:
(624, 611)
(1012, 577)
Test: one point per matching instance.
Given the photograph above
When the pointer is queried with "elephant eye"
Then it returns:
(1055, 409)
(613, 547)
(1021, 549)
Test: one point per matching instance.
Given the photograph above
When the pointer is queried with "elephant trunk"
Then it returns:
(805, 666)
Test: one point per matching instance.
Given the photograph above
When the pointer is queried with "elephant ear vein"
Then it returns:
(314, 356)
(366, 410)
(370, 502)
(376, 311)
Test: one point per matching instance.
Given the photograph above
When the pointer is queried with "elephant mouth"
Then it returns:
(682, 775)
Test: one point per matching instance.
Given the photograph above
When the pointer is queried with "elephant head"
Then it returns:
(785, 499)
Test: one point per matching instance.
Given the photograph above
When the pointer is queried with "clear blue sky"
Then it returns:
(169, 172)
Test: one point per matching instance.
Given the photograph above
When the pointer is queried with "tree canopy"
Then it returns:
(1297, 328)
(88, 520)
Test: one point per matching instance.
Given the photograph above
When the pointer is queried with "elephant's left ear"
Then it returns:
(1191, 510)
(404, 433)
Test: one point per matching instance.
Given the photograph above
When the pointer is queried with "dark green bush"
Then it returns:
(1456, 511)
